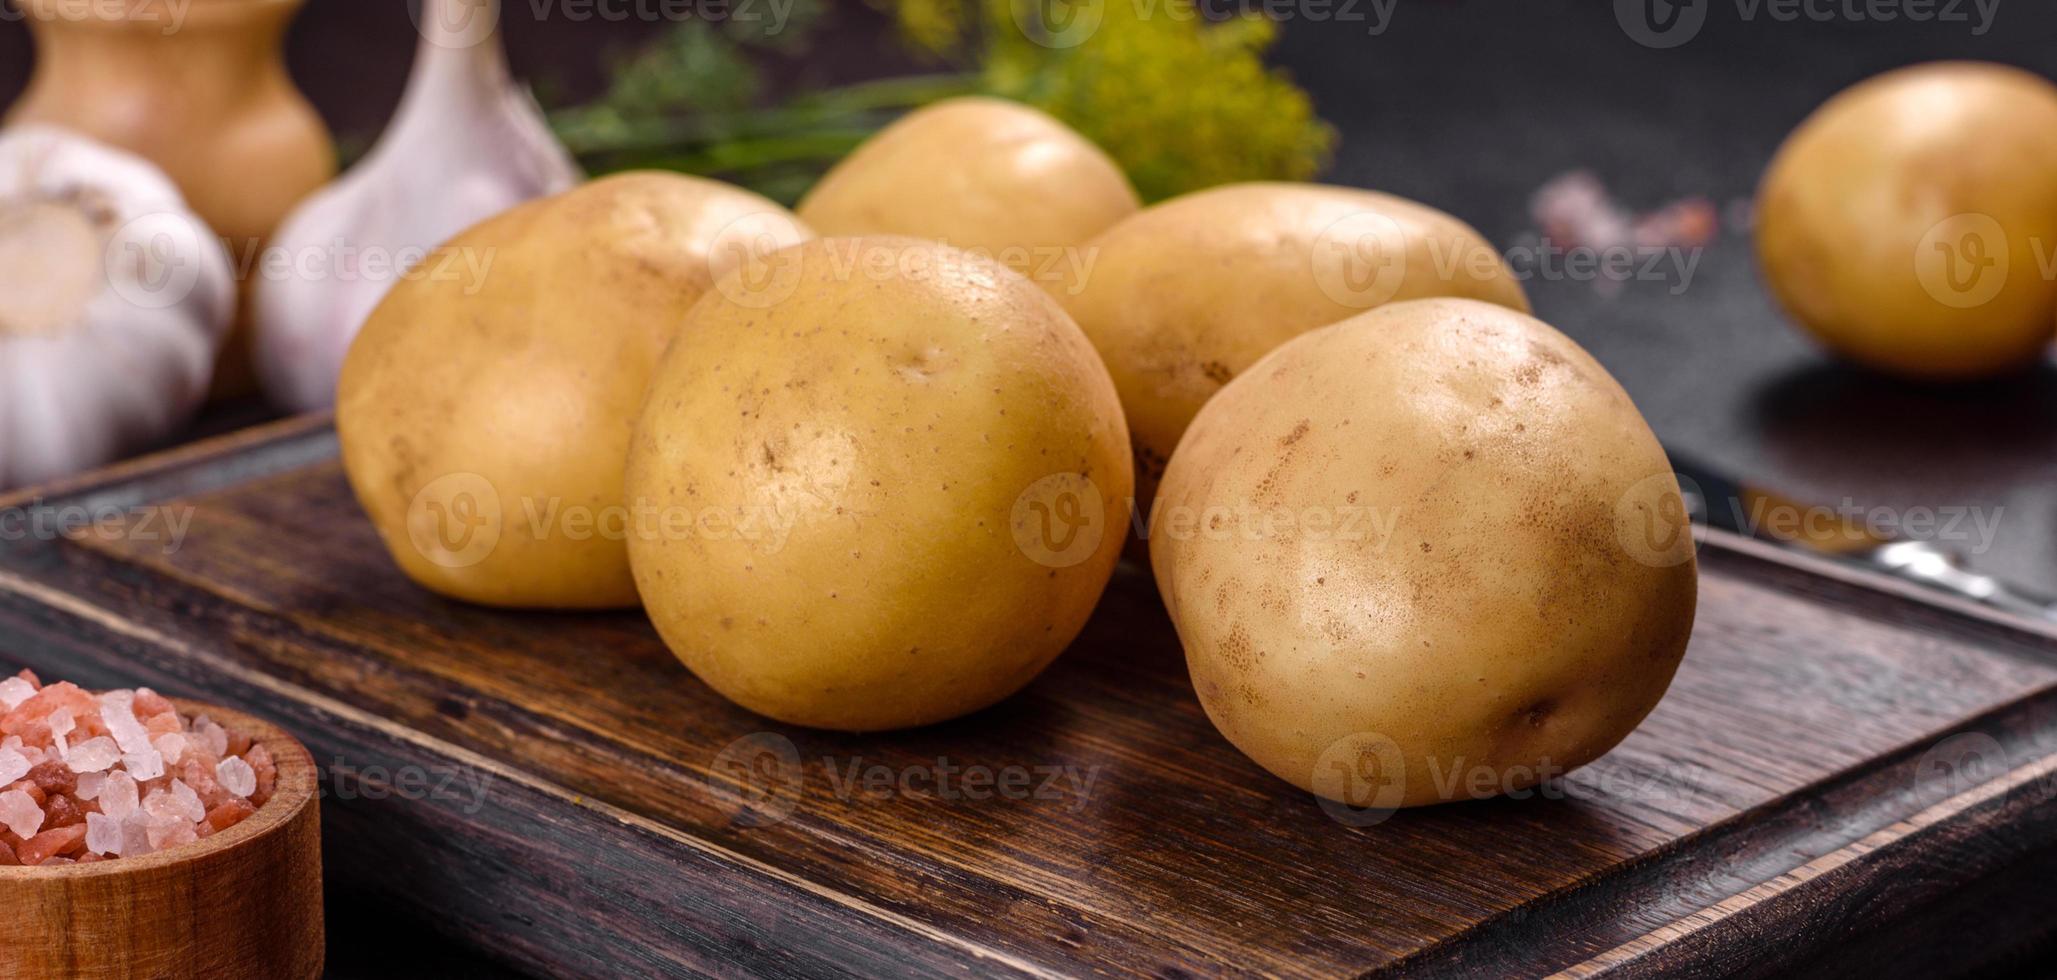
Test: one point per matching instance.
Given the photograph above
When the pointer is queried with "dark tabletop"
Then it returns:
(1470, 106)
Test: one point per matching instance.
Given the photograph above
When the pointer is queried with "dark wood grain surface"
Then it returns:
(1836, 758)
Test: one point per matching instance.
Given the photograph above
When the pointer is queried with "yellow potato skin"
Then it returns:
(1520, 613)
(982, 174)
(1189, 293)
(1848, 219)
(522, 387)
(892, 424)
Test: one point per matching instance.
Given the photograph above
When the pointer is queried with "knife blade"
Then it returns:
(1718, 500)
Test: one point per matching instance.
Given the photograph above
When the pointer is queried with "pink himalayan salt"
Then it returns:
(43, 847)
(21, 815)
(236, 776)
(116, 775)
(93, 756)
(228, 815)
(171, 746)
(144, 766)
(118, 797)
(118, 711)
(13, 766)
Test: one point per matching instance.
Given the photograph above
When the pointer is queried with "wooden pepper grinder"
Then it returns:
(198, 87)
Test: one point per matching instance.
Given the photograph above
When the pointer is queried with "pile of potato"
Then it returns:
(872, 465)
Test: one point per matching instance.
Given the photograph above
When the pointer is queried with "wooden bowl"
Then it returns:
(245, 902)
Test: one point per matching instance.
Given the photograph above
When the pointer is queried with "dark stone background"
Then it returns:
(1469, 105)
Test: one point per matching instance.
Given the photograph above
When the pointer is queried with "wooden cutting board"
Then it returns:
(1846, 775)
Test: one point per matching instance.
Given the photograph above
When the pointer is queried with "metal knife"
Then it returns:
(1718, 500)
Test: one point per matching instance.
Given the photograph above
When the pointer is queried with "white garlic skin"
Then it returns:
(123, 360)
(466, 144)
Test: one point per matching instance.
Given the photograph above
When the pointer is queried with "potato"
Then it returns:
(885, 485)
(485, 414)
(1429, 552)
(1907, 222)
(1188, 294)
(984, 175)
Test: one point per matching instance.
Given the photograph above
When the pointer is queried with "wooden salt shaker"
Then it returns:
(245, 902)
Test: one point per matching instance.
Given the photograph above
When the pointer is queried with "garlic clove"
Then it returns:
(114, 300)
(466, 143)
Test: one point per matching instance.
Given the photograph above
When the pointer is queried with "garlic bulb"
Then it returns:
(466, 144)
(114, 300)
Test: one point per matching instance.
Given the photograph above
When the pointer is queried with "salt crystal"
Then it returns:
(169, 831)
(118, 710)
(61, 724)
(20, 814)
(160, 803)
(135, 835)
(144, 766)
(93, 755)
(189, 801)
(213, 736)
(118, 796)
(117, 774)
(103, 834)
(13, 766)
(171, 747)
(236, 776)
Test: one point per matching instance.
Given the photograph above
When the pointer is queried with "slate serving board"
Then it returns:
(1847, 775)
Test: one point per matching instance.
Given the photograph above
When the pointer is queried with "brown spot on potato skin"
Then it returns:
(1237, 650)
